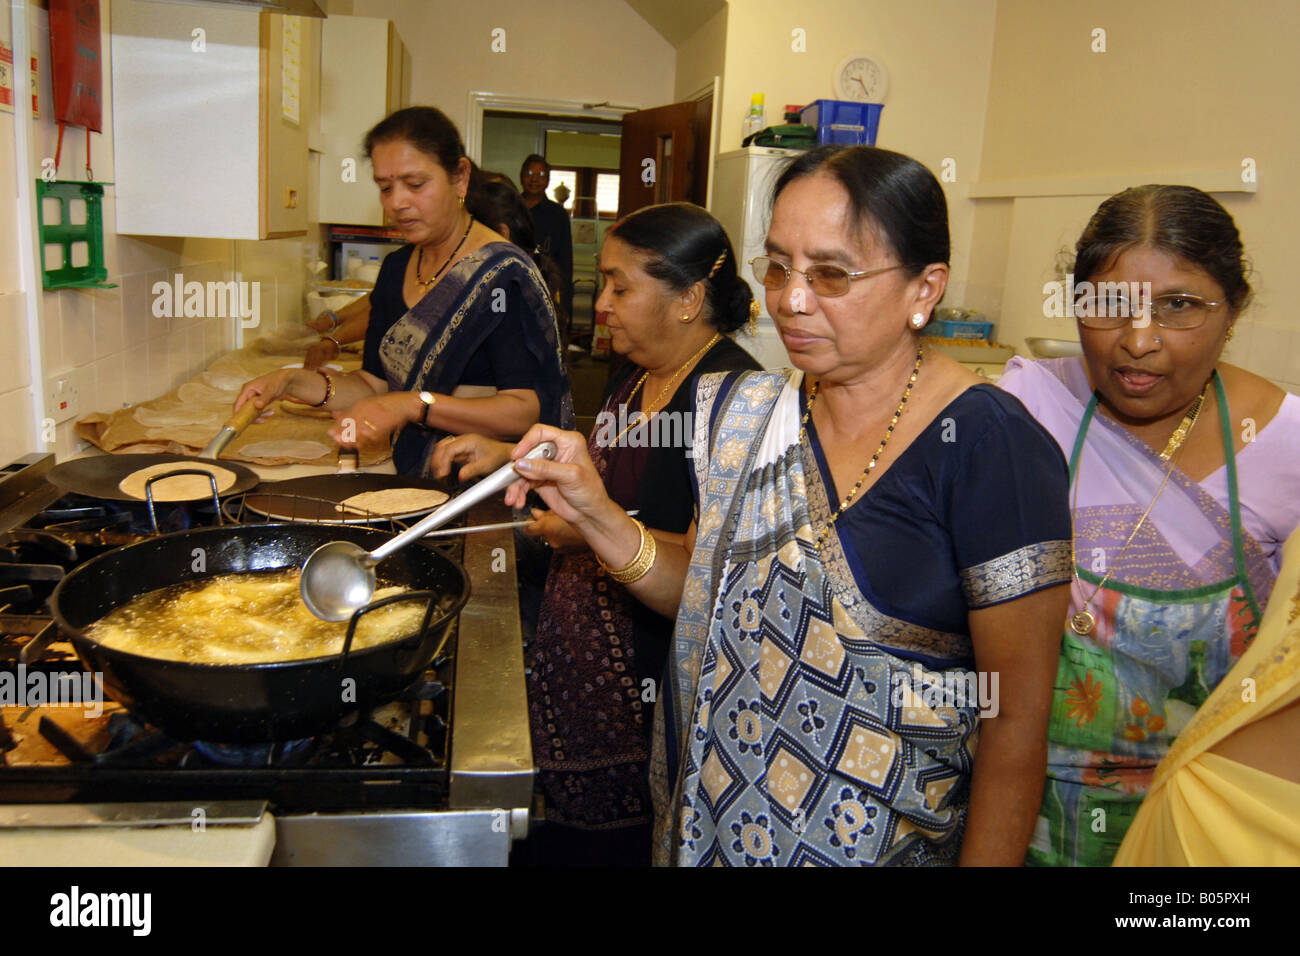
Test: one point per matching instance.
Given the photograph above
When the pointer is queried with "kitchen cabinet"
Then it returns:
(364, 76)
(202, 145)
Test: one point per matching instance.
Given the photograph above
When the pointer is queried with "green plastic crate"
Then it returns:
(66, 235)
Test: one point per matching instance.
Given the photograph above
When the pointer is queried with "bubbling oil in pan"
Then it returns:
(244, 619)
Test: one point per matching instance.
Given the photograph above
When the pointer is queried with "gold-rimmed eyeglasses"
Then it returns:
(824, 279)
(1173, 310)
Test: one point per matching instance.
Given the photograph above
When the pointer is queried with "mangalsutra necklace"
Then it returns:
(419, 259)
(1084, 620)
(889, 433)
(642, 416)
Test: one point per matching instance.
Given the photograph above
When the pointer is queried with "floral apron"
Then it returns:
(1125, 691)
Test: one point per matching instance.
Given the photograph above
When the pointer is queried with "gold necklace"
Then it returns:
(1084, 620)
(642, 416)
(889, 433)
(419, 259)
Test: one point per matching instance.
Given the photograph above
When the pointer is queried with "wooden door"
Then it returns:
(675, 141)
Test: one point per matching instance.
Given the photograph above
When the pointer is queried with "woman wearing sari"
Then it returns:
(673, 296)
(1184, 487)
(1228, 791)
(461, 336)
(859, 552)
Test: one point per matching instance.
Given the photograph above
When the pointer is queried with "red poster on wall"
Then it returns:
(75, 63)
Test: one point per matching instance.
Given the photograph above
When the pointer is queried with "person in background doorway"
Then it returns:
(551, 223)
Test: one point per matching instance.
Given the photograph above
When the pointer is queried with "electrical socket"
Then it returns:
(63, 395)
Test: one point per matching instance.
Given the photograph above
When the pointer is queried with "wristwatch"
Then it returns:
(429, 400)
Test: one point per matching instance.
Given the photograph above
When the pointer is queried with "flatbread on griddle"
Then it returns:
(394, 501)
(181, 487)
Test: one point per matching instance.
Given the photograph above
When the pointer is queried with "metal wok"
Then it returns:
(246, 703)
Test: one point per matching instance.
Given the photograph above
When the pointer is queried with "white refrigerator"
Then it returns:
(742, 202)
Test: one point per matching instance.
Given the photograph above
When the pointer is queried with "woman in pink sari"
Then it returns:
(1185, 482)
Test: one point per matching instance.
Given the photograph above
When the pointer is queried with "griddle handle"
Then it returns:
(148, 491)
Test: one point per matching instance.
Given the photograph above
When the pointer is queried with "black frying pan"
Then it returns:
(234, 703)
(100, 475)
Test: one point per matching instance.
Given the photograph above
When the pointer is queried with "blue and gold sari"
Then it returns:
(816, 712)
(492, 290)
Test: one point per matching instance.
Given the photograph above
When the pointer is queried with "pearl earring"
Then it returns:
(918, 320)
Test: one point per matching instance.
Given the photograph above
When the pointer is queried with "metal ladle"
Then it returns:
(339, 577)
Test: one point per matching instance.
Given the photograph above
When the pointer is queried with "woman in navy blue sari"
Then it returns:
(462, 334)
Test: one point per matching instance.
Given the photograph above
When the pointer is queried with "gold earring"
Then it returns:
(461, 202)
(686, 317)
(754, 310)
(1231, 331)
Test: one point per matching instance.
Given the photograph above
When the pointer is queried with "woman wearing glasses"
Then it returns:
(1184, 478)
(860, 549)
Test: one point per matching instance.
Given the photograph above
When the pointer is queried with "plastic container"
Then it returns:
(959, 329)
(754, 119)
(370, 271)
(843, 121)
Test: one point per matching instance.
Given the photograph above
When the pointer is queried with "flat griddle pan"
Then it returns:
(314, 498)
(100, 475)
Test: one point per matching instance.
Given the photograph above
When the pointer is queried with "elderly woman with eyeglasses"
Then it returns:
(876, 572)
(1185, 484)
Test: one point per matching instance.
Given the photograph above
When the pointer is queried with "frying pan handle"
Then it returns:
(148, 491)
(233, 426)
(499, 480)
(428, 596)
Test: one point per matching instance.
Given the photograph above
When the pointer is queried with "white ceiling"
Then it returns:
(676, 19)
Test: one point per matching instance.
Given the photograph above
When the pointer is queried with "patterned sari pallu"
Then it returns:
(802, 739)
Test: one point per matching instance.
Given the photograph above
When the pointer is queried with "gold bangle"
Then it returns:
(640, 565)
(329, 389)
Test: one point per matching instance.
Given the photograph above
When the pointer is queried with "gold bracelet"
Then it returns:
(640, 565)
(338, 349)
(329, 389)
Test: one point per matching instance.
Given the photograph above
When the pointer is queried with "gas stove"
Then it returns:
(442, 775)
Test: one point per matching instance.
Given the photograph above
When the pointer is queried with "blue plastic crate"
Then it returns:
(959, 329)
(843, 121)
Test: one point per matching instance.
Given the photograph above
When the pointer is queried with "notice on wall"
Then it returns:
(291, 69)
(7, 81)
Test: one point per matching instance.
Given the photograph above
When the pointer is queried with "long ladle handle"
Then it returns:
(499, 480)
